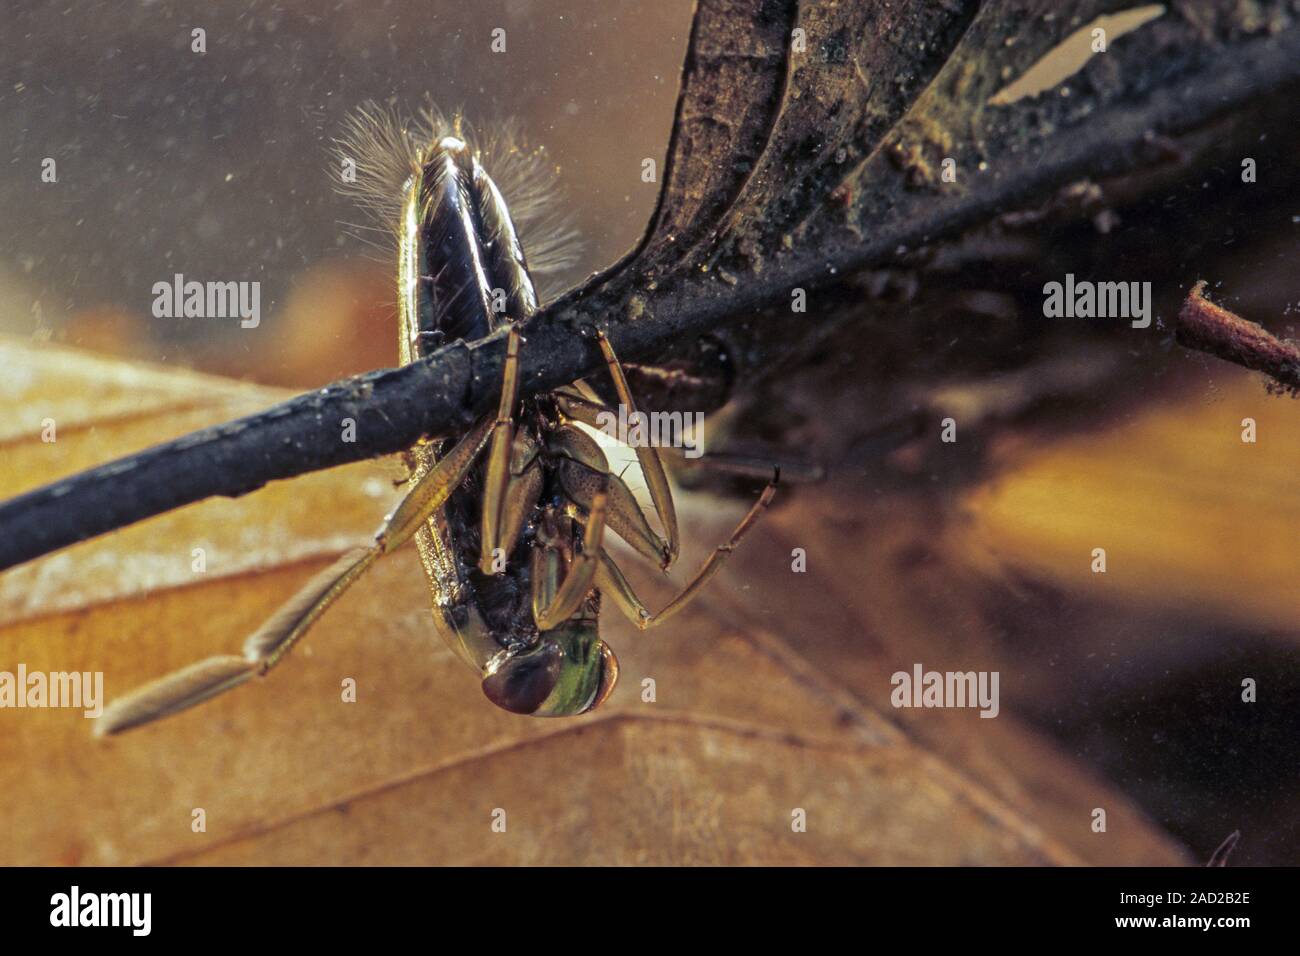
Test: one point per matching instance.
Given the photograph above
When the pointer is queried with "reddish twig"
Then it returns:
(1210, 328)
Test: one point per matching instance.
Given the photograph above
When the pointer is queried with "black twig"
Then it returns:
(650, 311)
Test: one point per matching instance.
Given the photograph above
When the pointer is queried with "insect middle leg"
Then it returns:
(584, 471)
(651, 464)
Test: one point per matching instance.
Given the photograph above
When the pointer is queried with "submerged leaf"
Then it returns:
(735, 734)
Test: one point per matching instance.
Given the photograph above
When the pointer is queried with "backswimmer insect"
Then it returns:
(509, 517)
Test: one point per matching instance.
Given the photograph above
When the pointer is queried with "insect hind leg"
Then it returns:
(273, 640)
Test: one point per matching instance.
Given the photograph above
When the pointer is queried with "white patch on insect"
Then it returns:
(622, 462)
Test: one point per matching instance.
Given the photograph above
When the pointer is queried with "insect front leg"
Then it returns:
(611, 580)
(584, 470)
(552, 604)
(269, 643)
(578, 404)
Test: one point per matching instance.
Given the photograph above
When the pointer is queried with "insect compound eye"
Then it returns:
(522, 683)
(608, 677)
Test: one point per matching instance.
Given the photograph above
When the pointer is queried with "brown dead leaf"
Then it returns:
(771, 696)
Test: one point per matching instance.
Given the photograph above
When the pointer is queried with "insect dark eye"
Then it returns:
(523, 683)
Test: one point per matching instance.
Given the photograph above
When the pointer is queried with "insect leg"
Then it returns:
(611, 581)
(579, 406)
(584, 471)
(579, 403)
(547, 567)
(651, 465)
(269, 643)
(521, 495)
(498, 468)
(552, 610)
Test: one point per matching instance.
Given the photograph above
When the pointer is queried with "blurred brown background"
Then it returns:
(216, 165)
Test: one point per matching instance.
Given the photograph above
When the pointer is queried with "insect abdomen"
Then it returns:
(462, 271)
